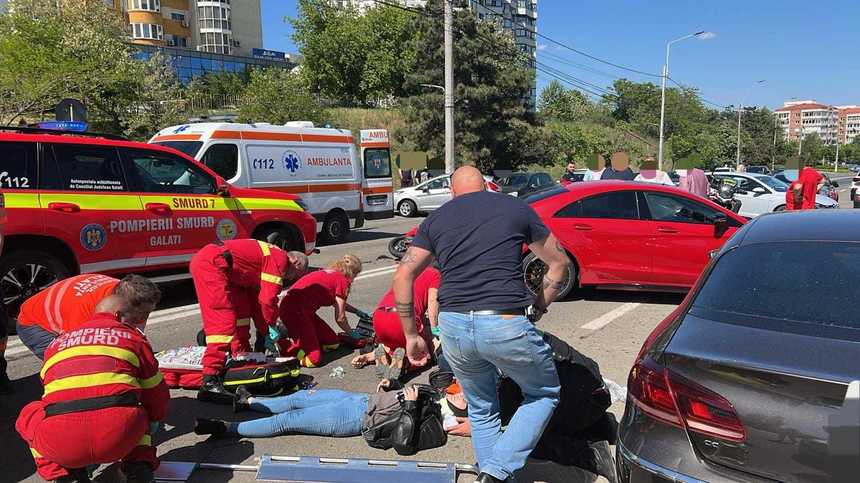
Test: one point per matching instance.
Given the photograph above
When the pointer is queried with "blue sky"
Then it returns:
(802, 49)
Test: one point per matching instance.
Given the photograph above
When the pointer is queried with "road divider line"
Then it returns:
(386, 271)
(610, 316)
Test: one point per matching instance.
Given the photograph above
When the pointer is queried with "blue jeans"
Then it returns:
(321, 412)
(477, 347)
(35, 338)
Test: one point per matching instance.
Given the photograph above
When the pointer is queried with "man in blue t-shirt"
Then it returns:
(486, 314)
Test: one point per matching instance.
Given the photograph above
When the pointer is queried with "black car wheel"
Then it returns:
(534, 269)
(281, 238)
(407, 208)
(335, 228)
(24, 274)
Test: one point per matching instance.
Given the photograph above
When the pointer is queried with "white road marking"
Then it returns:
(610, 316)
(15, 347)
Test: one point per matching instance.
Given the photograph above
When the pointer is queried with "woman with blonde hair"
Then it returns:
(309, 335)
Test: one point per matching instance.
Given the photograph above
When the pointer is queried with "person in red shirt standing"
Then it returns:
(103, 395)
(225, 277)
(387, 325)
(309, 334)
(811, 182)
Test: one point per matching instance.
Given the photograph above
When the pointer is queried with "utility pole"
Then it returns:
(738, 160)
(449, 86)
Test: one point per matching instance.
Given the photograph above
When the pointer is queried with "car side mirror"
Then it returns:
(223, 190)
(759, 190)
(426, 189)
(835, 184)
(720, 221)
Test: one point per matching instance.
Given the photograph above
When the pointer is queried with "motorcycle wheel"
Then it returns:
(397, 246)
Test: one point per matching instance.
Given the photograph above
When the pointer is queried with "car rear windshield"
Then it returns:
(807, 282)
(544, 194)
(188, 147)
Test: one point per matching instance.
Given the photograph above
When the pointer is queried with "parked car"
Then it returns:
(855, 190)
(523, 184)
(575, 177)
(760, 194)
(828, 189)
(423, 197)
(761, 169)
(630, 235)
(739, 383)
(79, 203)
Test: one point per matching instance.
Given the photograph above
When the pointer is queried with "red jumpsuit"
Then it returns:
(102, 358)
(810, 179)
(230, 293)
(309, 333)
(386, 322)
(790, 203)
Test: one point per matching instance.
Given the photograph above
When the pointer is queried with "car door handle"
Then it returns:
(666, 229)
(582, 227)
(158, 208)
(64, 207)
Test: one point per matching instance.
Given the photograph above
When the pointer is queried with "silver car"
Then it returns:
(424, 197)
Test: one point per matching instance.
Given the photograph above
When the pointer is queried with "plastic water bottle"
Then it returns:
(337, 372)
(616, 392)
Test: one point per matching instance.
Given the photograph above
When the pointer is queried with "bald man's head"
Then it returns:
(465, 180)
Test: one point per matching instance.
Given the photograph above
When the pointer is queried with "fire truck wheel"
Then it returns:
(335, 228)
(23, 273)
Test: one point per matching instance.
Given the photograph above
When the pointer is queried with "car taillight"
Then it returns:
(674, 400)
(492, 186)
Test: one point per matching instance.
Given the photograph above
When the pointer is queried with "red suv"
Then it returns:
(80, 203)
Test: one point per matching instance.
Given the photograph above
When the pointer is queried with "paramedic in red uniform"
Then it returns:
(386, 322)
(67, 304)
(226, 276)
(103, 395)
(309, 334)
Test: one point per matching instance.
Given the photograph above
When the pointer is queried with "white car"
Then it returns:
(760, 194)
(424, 197)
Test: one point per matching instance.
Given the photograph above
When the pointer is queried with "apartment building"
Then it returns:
(214, 26)
(832, 123)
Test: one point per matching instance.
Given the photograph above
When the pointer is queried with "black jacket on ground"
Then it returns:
(416, 426)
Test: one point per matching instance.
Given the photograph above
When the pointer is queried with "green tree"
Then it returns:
(50, 50)
(159, 103)
(215, 90)
(353, 59)
(812, 150)
(493, 124)
(556, 102)
(277, 96)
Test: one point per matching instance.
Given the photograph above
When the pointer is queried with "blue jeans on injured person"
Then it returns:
(477, 347)
(35, 338)
(321, 412)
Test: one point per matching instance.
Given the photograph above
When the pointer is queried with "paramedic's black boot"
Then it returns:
(212, 390)
(138, 473)
(485, 478)
(78, 475)
(215, 427)
(240, 400)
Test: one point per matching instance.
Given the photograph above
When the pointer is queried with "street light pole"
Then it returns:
(703, 35)
(449, 87)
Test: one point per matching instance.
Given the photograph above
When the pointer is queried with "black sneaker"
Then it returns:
(78, 475)
(240, 399)
(215, 427)
(212, 390)
(5, 383)
(138, 473)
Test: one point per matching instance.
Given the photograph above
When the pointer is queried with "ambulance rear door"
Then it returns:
(377, 182)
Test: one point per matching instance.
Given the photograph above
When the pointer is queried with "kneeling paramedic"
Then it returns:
(229, 278)
(103, 396)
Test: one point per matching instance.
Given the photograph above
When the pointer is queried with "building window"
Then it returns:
(146, 31)
(148, 5)
(177, 17)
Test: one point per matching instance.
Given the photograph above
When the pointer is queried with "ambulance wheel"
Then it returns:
(534, 269)
(23, 274)
(336, 227)
(407, 208)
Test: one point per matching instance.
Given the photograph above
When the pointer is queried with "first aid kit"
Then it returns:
(261, 375)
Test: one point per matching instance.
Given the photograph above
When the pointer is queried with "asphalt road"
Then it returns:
(606, 326)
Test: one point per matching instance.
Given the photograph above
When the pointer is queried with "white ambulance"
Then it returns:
(321, 165)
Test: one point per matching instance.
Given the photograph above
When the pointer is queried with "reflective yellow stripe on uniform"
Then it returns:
(268, 277)
(35, 453)
(243, 322)
(92, 350)
(90, 380)
(219, 339)
(265, 247)
(145, 440)
(151, 382)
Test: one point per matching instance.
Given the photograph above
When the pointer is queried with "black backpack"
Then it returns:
(416, 426)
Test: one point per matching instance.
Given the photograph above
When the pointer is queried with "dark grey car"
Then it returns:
(743, 380)
(524, 184)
